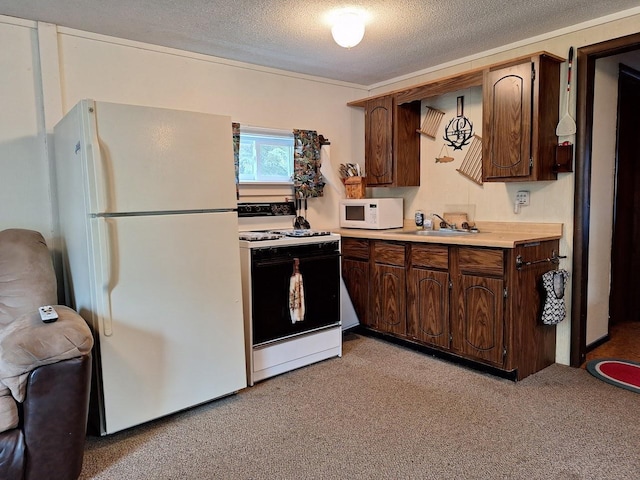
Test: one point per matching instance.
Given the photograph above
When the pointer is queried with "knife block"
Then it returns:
(355, 187)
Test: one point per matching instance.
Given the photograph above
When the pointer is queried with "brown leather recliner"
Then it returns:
(45, 368)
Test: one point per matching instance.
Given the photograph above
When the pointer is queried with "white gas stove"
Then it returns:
(280, 263)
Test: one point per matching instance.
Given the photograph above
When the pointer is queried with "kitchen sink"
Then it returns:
(443, 232)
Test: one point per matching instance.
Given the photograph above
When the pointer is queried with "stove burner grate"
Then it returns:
(300, 233)
(258, 236)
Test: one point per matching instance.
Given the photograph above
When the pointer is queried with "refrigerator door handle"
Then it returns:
(94, 156)
(108, 268)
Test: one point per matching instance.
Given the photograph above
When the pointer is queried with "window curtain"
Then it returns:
(236, 154)
(307, 179)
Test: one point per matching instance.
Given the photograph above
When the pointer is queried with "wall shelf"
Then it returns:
(452, 83)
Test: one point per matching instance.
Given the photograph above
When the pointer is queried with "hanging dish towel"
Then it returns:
(296, 294)
(554, 309)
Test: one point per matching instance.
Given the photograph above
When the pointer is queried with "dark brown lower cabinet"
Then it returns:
(428, 295)
(480, 301)
(389, 288)
(478, 324)
(468, 302)
(355, 273)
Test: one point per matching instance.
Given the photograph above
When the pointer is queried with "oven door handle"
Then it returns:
(277, 261)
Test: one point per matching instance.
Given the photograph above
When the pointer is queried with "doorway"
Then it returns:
(624, 302)
(587, 57)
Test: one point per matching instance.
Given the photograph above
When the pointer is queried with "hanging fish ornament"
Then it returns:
(446, 158)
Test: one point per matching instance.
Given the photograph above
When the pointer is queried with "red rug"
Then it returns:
(621, 373)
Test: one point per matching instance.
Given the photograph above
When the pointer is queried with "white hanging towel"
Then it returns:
(296, 294)
(554, 309)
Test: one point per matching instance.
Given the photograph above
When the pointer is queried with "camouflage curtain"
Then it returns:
(307, 179)
(236, 154)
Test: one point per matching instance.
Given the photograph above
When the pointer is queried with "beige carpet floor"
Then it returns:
(386, 412)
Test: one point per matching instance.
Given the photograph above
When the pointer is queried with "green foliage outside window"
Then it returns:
(265, 158)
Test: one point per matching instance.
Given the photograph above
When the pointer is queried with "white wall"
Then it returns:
(24, 175)
(68, 65)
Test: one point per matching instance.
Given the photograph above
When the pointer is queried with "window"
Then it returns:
(265, 156)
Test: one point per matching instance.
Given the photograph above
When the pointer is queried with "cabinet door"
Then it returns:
(479, 322)
(379, 141)
(428, 315)
(507, 117)
(389, 298)
(355, 274)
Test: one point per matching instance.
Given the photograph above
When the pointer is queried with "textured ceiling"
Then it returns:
(402, 36)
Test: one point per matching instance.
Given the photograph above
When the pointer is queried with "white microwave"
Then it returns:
(373, 213)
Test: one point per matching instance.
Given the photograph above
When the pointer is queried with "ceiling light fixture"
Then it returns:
(348, 28)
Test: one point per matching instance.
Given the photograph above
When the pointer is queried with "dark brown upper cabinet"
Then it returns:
(392, 146)
(520, 114)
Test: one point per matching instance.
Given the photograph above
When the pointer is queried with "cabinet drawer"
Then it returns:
(481, 261)
(388, 253)
(430, 256)
(355, 248)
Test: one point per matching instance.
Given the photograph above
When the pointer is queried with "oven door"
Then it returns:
(271, 271)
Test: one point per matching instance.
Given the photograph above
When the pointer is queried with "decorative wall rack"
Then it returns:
(471, 166)
(431, 122)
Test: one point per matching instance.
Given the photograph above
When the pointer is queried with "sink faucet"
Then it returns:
(444, 223)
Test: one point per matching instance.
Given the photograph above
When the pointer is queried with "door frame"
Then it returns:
(586, 59)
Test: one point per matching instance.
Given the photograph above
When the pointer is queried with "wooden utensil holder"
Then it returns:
(355, 187)
(564, 159)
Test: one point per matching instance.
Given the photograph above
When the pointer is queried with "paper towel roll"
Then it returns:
(328, 172)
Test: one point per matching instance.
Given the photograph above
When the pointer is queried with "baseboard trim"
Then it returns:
(597, 343)
(480, 367)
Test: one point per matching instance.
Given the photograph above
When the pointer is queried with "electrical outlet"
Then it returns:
(522, 198)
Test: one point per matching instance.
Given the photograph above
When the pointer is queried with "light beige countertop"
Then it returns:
(491, 234)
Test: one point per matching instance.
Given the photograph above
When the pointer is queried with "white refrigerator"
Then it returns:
(149, 233)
